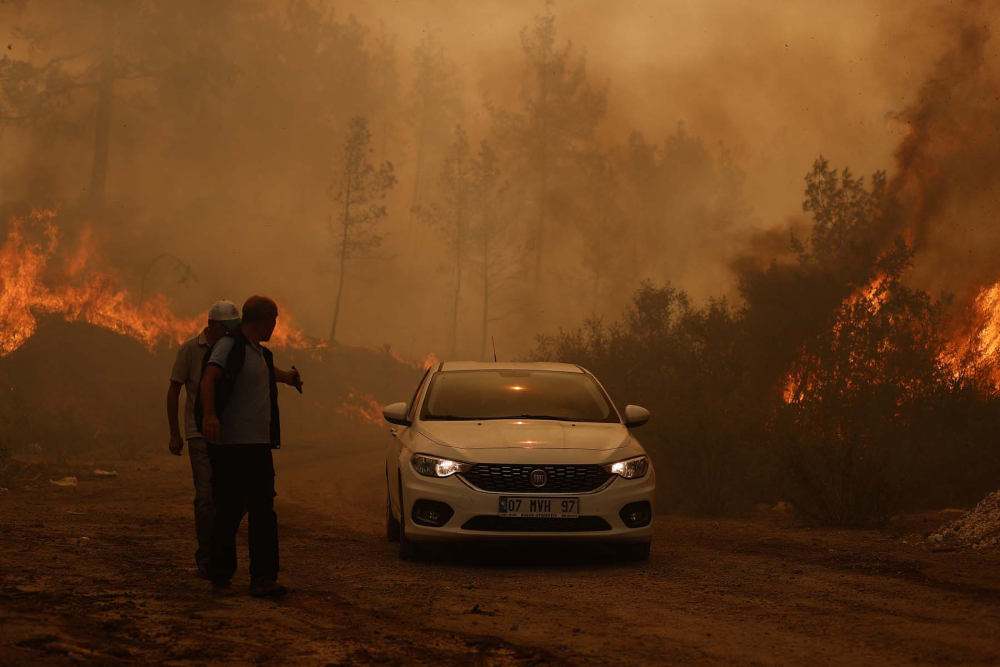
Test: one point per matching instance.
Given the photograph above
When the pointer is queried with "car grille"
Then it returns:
(500, 524)
(516, 478)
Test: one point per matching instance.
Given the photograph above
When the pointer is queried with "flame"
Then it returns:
(362, 407)
(287, 337)
(429, 360)
(95, 297)
(872, 296)
(976, 350)
(84, 293)
(972, 352)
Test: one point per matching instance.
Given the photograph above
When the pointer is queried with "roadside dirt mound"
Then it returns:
(73, 387)
(979, 529)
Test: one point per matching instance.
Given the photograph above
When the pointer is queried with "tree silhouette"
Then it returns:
(451, 216)
(559, 113)
(847, 215)
(386, 90)
(599, 222)
(111, 50)
(434, 105)
(494, 216)
(360, 189)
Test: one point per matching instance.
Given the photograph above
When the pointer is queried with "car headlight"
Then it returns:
(629, 468)
(432, 466)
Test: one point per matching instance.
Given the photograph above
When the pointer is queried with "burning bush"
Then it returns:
(834, 386)
(850, 422)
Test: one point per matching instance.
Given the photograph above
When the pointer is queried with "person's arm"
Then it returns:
(210, 426)
(173, 403)
(178, 376)
(292, 377)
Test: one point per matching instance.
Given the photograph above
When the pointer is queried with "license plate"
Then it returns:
(539, 508)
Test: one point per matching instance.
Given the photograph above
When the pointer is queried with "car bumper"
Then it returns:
(468, 503)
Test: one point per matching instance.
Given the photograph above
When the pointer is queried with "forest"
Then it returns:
(842, 358)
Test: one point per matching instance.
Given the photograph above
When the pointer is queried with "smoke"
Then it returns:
(946, 166)
(222, 154)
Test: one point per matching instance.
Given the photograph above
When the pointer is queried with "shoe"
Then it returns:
(203, 571)
(221, 589)
(267, 589)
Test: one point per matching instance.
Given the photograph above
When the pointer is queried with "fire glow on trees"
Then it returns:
(972, 352)
(868, 299)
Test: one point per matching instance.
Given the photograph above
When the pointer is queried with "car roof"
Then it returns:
(509, 366)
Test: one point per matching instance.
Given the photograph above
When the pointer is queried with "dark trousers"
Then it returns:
(243, 477)
(204, 510)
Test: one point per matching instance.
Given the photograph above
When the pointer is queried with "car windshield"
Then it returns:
(516, 394)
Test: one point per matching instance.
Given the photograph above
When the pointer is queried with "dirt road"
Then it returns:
(762, 591)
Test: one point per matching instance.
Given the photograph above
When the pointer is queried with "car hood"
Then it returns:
(525, 434)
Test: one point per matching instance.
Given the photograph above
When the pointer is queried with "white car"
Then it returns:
(516, 451)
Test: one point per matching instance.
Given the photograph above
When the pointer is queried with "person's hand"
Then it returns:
(296, 379)
(211, 427)
(176, 445)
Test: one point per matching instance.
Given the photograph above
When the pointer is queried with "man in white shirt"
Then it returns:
(188, 367)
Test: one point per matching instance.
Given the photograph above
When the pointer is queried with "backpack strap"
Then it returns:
(199, 411)
(224, 387)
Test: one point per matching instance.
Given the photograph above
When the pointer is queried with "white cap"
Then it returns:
(225, 312)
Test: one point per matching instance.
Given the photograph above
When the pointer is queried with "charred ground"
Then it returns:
(765, 589)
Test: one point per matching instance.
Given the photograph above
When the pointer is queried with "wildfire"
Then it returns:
(974, 352)
(979, 348)
(287, 337)
(83, 293)
(429, 360)
(871, 296)
(987, 309)
(362, 407)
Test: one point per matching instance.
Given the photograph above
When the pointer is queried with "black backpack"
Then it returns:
(224, 387)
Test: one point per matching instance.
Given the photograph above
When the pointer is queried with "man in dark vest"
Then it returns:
(239, 401)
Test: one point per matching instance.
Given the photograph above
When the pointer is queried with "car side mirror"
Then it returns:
(396, 414)
(635, 416)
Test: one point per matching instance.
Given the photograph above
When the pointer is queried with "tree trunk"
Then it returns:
(421, 140)
(544, 180)
(597, 290)
(540, 230)
(102, 135)
(486, 294)
(340, 294)
(343, 259)
(458, 291)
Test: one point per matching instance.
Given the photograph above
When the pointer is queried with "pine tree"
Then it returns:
(494, 218)
(435, 105)
(451, 215)
(360, 189)
(556, 123)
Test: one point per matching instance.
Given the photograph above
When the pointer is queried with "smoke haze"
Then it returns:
(228, 124)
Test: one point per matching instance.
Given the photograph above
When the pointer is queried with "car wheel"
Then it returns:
(407, 549)
(391, 524)
(637, 551)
